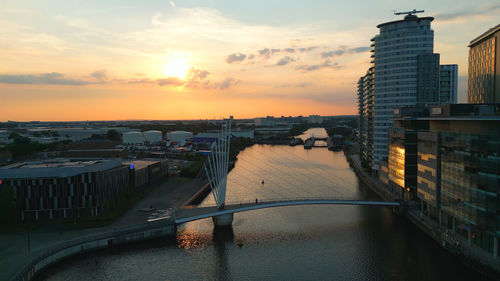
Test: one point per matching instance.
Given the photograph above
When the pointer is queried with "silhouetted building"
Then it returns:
(484, 64)
(448, 83)
(428, 79)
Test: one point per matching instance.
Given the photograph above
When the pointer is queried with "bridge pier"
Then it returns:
(223, 220)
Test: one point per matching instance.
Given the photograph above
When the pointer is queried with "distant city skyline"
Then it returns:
(171, 60)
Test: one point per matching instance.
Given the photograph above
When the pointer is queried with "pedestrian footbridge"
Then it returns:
(216, 170)
(224, 216)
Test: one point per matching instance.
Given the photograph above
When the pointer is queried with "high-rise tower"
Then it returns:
(395, 52)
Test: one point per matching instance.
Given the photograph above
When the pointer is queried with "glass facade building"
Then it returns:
(458, 167)
(484, 63)
(470, 184)
(428, 167)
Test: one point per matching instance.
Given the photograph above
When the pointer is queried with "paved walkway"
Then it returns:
(14, 247)
(433, 229)
(428, 225)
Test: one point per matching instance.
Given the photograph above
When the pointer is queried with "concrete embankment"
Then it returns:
(374, 185)
(469, 255)
(56, 252)
(198, 196)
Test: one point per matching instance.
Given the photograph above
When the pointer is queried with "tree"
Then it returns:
(14, 135)
(96, 137)
(113, 135)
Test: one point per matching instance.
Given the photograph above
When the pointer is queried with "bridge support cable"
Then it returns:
(237, 200)
(271, 185)
(299, 157)
(218, 165)
(279, 175)
(270, 167)
(240, 173)
(304, 175)
(313, 164)
(212, 184)
(310, 171)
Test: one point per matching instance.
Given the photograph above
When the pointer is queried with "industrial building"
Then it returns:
(133, 138)
(178, 137)
(268, 121)
(147, 171)
(153, 136)
(63, 187)
(209, 137)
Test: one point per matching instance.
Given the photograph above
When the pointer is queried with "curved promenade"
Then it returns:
(57, 251)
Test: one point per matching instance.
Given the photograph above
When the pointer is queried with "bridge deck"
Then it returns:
(196, 213)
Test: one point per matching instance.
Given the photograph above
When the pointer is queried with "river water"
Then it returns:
(287, 243)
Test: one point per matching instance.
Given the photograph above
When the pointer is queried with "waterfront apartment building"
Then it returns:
(361, 112)
(484, 68)
(458, 167)
(396, 50)
(365, 111)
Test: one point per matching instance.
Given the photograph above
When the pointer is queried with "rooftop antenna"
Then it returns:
(409, 13)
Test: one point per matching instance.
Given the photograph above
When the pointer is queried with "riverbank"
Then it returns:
(57, 245)
(51, 243)
(469, 254)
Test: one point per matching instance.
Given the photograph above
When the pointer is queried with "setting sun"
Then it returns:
(176, 67)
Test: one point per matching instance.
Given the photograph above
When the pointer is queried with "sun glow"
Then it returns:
(176, 67)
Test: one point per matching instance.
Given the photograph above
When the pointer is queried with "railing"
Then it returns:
(281, 200)
(53, 248)
(212, 211)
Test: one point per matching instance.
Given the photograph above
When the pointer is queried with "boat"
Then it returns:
(308, 144)
(336, 143)
(295, 141)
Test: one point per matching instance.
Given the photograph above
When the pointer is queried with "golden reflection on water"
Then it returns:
(190, 240)
(271, 172)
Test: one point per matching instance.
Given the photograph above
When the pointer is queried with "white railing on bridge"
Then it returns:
(278, 200)
(209, 211)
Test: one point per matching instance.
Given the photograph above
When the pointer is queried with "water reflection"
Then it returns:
(222, 236)
(290, 243)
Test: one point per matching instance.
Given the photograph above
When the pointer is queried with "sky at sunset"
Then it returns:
(114, 60)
